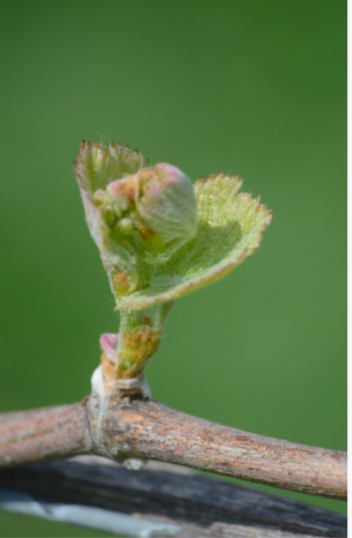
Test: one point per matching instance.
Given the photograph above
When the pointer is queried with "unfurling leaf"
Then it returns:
(137, 215)
(230, 228)
(160, 237)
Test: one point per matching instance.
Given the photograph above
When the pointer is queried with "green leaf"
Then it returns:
(230, 228)
(97, 166)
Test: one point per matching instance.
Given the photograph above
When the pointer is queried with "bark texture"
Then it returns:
(41, 434)
(150, 430)
(198, 506)
(138, 428)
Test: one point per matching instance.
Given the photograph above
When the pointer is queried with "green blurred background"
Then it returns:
(255, 87)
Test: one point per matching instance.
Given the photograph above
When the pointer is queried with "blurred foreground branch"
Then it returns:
(141, 428)
(163, 500)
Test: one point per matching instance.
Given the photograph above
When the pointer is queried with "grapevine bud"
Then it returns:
(167, 203)
(160, 202)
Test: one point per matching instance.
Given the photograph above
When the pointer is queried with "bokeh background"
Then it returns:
(255, 87)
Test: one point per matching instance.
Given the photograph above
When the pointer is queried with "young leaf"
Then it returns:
(230, 228)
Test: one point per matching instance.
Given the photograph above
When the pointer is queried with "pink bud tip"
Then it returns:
(109, 342)
(173, 174)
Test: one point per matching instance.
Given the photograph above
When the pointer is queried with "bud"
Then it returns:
(138, 216)
(159, 200)
(167, 202)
